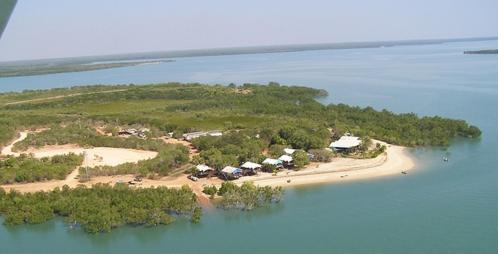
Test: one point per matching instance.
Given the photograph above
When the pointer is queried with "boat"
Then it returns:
(404, 172)
(445, 159)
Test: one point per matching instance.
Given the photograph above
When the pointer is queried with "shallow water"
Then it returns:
(439, 208)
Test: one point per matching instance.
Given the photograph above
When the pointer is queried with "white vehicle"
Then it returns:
(193, 178)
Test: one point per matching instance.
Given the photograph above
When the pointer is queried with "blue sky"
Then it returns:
(62, 28)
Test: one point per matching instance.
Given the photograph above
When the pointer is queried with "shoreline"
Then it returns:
(394, 161)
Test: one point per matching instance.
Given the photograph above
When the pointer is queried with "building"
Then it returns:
(141, 133)
(287, 160)
(198, 134)
(230, 173)
(289, 151)
(250, 168)
(274, 162)
(203, 171)
(346, 143)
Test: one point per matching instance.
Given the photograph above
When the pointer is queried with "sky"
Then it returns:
(61, 28)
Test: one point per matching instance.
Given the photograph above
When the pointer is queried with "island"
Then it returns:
(106, 156)
(482, 52)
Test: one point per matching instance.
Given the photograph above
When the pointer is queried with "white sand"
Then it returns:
(393, 162)
(97, 156)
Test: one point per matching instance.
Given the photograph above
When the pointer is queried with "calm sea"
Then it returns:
(440, 208)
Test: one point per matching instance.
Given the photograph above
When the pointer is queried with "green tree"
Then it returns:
(300, 159)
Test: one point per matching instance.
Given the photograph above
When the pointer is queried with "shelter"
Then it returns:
(203, 170)
(194, 135)
(346, 143)
(287, 160)
(274, 162)
(230, 172)
(250, 168)
(289, 151)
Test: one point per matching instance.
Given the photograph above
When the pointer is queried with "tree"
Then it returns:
(321, 155)
(300, 159)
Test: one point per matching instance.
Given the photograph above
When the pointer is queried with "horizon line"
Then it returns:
(240, 50)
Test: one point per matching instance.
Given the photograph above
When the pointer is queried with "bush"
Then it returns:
(321, 155)
(210, 190)
(300, 159)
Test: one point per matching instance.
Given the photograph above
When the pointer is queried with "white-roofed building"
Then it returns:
(286, 158)
(289, 151)
(346, 143)
(274, 162)
(250, 168)
(203, 170)
(230, 172)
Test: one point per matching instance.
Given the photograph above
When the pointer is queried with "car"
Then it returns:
(193, 178)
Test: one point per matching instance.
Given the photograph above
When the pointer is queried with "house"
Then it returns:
(287, 160)
(289, 151)
(274, 162)
(250, 168)
(230, 173)
(203, 171)
(198, 134)
(346, 143)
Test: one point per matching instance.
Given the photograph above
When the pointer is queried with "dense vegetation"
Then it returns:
(247, 196)
(25, 168)
(100, 208)
(256, 119)
(400, 129)
(280, 114)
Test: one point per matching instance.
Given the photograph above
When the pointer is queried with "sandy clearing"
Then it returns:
(96, 156)
(8, 149)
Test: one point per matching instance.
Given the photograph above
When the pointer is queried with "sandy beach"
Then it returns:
(392, 162)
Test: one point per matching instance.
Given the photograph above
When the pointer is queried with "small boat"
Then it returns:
(445, 159)
(404, 172)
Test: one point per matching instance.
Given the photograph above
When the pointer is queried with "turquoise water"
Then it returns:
(440, 208)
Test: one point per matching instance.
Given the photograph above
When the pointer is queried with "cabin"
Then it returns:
(250, 168)
(287, 160)
(274, 162)
(231, 173)
(203, 171)
(198, 134)
(289, 151)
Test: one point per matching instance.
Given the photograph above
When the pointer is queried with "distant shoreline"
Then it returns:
(54, 68)
(233, 51)
(482, 52)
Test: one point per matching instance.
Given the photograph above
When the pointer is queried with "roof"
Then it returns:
(203, 168)
(286, 158)
(251, 165)
(346, 142)
(231, 170)
(289, 150)
(272, 161)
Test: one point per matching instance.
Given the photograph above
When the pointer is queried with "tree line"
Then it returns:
(102, 207)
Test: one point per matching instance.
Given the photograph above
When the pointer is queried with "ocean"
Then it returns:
(438, 208)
